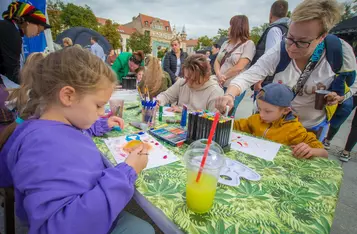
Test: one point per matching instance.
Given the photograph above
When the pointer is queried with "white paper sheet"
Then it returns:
(167, 113)
(257, 147)
(158, 154)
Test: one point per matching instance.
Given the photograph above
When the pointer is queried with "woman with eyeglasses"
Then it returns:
(20, 19)
(128, 62)
(308, 68)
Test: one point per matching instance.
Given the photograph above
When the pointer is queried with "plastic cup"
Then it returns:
(149, 116)
(320, 100)
(200, 195)
(116, 107)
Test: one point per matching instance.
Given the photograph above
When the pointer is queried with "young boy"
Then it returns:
(276, 122)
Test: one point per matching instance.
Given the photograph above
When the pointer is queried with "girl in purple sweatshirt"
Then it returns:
(60, 179)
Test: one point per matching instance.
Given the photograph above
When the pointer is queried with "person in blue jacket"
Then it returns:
(61, 181)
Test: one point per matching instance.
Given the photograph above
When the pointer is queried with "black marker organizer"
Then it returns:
(199, 127)
(129, 82)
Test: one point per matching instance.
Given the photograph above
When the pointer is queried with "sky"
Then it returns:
(200, 17)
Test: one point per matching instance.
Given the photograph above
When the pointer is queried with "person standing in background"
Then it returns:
(67, 42)
(273, 34)
(174, 60)
(96, 49)
(215, 50)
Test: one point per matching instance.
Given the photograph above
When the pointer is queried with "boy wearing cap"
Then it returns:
(276, 122)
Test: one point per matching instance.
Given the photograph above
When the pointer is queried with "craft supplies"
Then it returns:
(132, 107)
(173, 135)
(161, 111)
(173, 121)
(148, 110)
(116, 128)
(116, 107)
(129, 82)
(184, 116)
(199, 125)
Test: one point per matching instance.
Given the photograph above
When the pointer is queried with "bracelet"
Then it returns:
(229, 94)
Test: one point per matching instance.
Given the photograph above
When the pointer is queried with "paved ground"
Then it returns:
(345, 221)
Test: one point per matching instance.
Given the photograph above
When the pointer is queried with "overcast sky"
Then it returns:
(201, 17)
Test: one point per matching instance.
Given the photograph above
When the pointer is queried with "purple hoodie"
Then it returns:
(60, 179)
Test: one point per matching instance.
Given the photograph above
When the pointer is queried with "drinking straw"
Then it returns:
(213, 129)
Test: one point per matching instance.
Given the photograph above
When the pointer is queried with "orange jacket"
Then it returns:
(287, 132)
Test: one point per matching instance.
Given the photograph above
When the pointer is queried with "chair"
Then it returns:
(9, 209)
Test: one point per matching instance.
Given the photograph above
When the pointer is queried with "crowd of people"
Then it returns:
(53, 100)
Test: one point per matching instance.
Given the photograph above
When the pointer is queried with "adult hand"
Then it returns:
(302, 150)
(115, 121)
(175, 109)
(222, 78)
(223, 102)
(332, 98)
(258, 86)
(138, 158)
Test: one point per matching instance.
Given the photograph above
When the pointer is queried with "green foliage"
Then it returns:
(221, 33)
(139, 41)
(54, 13)
(203, 41)
(110, 31)
(161, 54)
(257, 32)
(73, 16)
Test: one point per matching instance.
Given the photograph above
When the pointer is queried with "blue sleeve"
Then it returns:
(99, 128)
(57, 195)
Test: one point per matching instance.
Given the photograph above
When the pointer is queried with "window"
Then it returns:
(146, 23)
(167, 28)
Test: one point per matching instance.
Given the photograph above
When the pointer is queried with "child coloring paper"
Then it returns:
(253, 146)
(158, 154)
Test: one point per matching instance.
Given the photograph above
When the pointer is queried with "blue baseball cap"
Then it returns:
(277, 94)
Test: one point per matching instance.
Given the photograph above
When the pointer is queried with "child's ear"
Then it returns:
(287, 110)
(67, 95)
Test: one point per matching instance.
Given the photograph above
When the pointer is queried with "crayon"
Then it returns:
(161, 110)
(173, 121)
(184, 116)
(132, 107)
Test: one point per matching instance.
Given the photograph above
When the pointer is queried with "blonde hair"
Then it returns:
(153, 75)
(327, 11)
(68, 41)
(19, 96)
(175, 39)
(73, 67)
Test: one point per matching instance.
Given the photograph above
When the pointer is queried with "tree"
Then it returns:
(139, 41)
(289, 14)
(203, 41)
(257, 32)
(348, 11)
(110, 31)
(73, 16)
(221, 33)
(54, 13)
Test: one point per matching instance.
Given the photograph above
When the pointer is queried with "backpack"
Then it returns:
(260, 48)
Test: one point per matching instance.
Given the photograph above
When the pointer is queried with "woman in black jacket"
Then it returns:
(174, 60)
(21, 19)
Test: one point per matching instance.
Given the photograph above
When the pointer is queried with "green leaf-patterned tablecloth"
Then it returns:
(293, 196)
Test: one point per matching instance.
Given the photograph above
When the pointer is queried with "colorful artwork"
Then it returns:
(120, 147)
(253, 146)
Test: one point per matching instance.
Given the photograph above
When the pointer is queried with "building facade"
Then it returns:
(190, 46)
(160, 31)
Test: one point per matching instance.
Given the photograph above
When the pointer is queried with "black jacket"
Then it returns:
(10, 50)
(170, 64)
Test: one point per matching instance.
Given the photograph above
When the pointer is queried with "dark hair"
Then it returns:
(94, 38)
(239, 28)
(218, 46)
(137, 57)
(280, 8)
(199, 67)
(141, 68)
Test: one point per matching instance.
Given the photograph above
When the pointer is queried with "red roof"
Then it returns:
(126, 30)
(191, 43)
(101, 20)
(150, 19)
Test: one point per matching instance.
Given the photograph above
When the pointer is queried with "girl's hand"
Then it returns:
(115, 121)
(138, 158)
(175, 109)
(302, 150)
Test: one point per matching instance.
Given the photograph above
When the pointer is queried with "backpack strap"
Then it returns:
(334, 53)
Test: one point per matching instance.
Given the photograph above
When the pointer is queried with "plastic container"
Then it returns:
(200, 195)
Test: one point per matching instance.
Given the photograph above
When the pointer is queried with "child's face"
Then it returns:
(83, 110)
(139, 76)
(270, 113)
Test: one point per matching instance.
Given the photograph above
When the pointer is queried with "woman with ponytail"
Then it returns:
(20, 19)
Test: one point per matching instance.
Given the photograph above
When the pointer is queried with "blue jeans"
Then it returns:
(320, 130)
(237, 100)
(130, 224)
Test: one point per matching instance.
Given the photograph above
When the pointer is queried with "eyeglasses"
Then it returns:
(299, 44)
